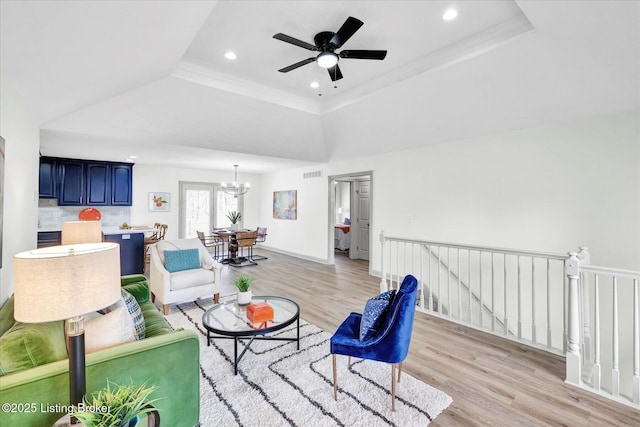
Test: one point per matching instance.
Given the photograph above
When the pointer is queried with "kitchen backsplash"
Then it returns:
(51, 216)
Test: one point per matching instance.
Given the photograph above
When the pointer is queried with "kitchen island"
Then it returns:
(131, 241)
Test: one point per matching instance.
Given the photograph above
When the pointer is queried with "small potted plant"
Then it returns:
(234, 217)
(120, 406)
(243, 283)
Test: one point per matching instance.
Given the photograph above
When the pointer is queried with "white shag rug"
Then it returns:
(278, 385)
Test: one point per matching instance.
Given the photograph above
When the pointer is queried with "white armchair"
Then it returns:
(187, 284)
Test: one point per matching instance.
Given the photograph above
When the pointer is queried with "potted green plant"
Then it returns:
(116, 406)
(243, 283)
(234, 217)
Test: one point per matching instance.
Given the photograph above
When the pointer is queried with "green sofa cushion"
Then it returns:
(136, 285)
(27, 345)
(6, 316)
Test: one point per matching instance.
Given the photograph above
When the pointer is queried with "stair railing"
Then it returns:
(516, 294)
(604, 329)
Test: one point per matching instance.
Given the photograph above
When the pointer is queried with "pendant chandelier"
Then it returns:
(235, 189)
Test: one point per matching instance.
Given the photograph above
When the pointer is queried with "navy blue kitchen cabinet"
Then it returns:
(72, 183)
(98, 184)
(131, 251)
(121, 179)
(48, 182)
(77, 182)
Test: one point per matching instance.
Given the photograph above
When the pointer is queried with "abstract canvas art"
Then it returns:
(285, 204)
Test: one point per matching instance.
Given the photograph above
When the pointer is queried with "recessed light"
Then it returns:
(133, 157)
(230, 55)
(314, 85)
(450, 14)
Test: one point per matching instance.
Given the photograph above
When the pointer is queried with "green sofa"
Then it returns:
(165, 358)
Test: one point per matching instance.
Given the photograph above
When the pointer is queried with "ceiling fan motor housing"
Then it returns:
(323, 41)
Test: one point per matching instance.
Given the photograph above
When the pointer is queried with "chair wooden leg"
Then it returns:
(216, 298)
(165, 309)
(153, 297)
(393, 387)
(335, 379)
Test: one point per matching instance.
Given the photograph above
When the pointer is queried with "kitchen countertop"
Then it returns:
(132, 230)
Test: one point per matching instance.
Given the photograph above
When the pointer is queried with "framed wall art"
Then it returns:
(159, 202)
(285, 204)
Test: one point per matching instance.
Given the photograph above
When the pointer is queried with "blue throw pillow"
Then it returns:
(347, 221)
(373, 314)
(187, 259)
(136, 314)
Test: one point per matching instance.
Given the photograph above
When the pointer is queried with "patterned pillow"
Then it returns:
(187, 259)
(373, 314)
(136, 314)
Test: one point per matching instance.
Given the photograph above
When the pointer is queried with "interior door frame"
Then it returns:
(332, 208)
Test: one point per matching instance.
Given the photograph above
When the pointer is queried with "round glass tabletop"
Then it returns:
(229, 318)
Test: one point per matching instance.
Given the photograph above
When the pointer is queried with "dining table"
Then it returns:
(229, 236)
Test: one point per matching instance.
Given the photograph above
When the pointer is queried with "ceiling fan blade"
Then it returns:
(294, 41)
(335, 73)
(363, 54)
(350, 26)
(297, 65)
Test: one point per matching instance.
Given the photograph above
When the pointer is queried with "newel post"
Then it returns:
(383, 274)
(573, 360)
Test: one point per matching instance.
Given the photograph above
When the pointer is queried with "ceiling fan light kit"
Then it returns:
(326, 42)
(327, 59)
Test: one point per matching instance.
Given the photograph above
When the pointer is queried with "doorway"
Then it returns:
(350, 216)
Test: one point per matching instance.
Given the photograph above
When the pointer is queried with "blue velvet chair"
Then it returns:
(390, 344)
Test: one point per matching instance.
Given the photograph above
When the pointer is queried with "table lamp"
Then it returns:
(63, 283)
(81, 232)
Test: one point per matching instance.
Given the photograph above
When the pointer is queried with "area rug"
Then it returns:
(278, 385)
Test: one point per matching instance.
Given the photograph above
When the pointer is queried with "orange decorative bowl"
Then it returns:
(89, 214)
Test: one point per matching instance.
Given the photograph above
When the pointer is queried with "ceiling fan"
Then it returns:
(326, 42)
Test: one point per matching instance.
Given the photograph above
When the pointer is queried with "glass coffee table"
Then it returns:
(228, 320)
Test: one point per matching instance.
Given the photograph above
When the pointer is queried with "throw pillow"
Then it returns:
(187, 259)
(136, 314)
(108, 330)
(373, 314)
(27, 345)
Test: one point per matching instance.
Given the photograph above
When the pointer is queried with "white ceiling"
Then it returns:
(111, 79)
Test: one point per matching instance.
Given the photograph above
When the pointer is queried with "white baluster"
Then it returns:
(459, 288)
(506, 301)
(383, 275)
(493, 296)
(596, 373)
(519, 301)
(636, 345)
(573, 359)
(534, 331)
(481, 297)
(548, 303)
(615, 371)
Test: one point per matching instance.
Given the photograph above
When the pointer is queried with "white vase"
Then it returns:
(244, 298)
(233, 227)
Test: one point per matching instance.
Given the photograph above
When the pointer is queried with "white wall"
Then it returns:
(550, 188)
(20, 217)
(150, 179)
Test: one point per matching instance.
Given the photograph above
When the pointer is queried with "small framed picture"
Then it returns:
(159, 202)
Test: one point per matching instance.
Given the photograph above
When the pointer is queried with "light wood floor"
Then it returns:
(493, 382)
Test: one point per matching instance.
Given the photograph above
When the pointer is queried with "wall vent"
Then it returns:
(315, 174)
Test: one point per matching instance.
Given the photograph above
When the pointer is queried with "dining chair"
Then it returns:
(158, 234)
(261, 236)
(245, 239)
(389, 343)
(211, 242)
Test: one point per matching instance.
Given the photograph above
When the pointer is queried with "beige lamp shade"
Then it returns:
(60, 282)
(81, 232)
